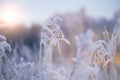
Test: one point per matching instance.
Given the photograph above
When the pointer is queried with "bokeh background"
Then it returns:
(21, 21)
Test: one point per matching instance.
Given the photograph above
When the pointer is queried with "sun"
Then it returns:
(10, 14)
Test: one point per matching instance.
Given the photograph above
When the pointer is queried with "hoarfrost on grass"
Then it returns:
(96, 59)
(93, 60)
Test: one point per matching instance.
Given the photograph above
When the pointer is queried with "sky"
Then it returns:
(40, 10)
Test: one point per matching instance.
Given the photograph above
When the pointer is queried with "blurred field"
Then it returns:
(23, 32)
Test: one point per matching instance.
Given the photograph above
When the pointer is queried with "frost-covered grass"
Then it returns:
(94, 60)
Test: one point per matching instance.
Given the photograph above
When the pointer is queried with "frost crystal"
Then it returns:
(3, 46)
(82, 67)
(96, 59)
(51, 33)
(51, 36)
(25, 71)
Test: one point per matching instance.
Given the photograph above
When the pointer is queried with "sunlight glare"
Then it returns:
(10, 14)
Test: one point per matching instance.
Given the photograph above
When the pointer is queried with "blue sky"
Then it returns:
(40, 10)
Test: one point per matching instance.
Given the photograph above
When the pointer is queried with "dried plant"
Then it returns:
(4, 45)
(82, 68)
(25, 70)
(51, 36)
(105, 51)
(93, 60)
(100, 54)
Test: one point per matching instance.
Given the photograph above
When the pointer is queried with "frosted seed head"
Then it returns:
(51, 33)
(57, 19)
(106, 34)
